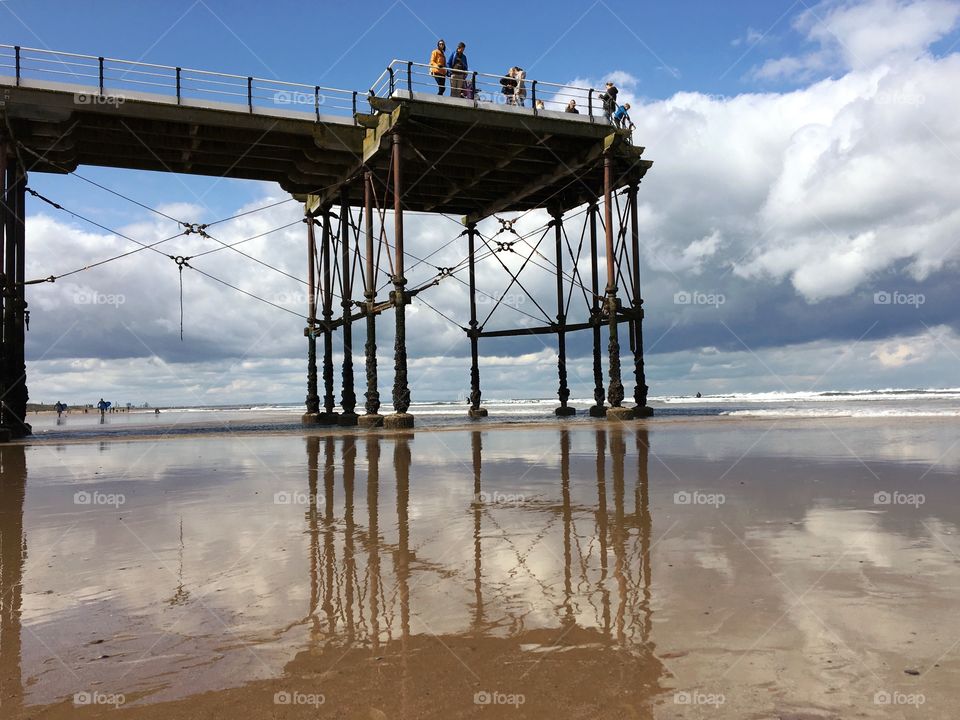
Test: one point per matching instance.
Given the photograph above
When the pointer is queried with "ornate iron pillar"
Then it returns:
(372, 418)
(329, 416)
(599, 409)
(615, 390)
(13, 404)
(401, 391)
(312, 416)
(348, 396)
(474, 332)
(640, 391)
(563, 392)
(6, 432)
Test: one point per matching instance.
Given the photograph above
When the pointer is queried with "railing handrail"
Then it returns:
(493, 76)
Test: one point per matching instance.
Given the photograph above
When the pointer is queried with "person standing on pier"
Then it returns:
(458, 70)
(609, 98)
(438, 66)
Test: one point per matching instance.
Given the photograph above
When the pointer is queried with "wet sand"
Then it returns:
(682, 569)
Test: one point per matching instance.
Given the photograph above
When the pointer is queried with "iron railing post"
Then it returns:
(476, 102)
(590, 104)
(100, 63)
(390, 71)
(250, 94)
(16, 62)
(533, 96)
(355, 107)
(179, 99)
(316, 101)
(410, 77)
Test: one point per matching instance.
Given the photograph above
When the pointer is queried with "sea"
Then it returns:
(884, 403)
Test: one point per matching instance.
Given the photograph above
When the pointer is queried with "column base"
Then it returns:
(347, 419)
(620, 413)
(477, 413)
(564, 411)
(328, 418)
(643, 412)
(5, 435)
(598, 411)
(398, 421)
(370, 420)
(310, 419)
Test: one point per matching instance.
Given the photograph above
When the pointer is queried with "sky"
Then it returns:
(799, 226)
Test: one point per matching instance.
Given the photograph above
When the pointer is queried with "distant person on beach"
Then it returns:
(572, 107)
(103, 406)
(621, 118)
(699, 395)
(60, 407)
(458, 70)
(156, 411)
(438, 66)
(609, 99)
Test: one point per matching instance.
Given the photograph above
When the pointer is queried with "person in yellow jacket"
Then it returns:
(438, 66)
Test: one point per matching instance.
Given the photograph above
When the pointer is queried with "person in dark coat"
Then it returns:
(458, 70)
(609, 99)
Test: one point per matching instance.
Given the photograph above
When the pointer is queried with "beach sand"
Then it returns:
(689, 568)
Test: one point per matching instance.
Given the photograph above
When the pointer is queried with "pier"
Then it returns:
(358, 160)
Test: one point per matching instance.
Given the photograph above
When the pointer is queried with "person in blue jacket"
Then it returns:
(621, 118)
(458, 70)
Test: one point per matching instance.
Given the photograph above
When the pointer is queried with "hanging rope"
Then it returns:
(181, 264)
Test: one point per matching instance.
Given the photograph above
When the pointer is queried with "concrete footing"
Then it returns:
(310, 419)
(620, 413)
(476, 413)
(5, 435)
(347, 420)
(369, 421)
(398, 421)
(643, 412)
(328, 418)
(565, 411)
(598, 411)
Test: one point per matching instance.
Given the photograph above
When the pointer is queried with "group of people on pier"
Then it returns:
(513, 85)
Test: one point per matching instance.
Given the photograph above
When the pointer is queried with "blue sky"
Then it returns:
(805, 162)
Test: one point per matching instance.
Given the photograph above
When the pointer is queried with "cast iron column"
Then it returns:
(474, 332)
(599, 409)
(348, 396)
(312, 416)
(14, 400)
(401, 391)
(563, 392)
(372, 417)
(328, 417)
(5, 431)
(640, 391)
(615, 391)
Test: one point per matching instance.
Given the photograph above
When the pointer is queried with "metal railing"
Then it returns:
(111, 79)
(488, 90)
(101, 80)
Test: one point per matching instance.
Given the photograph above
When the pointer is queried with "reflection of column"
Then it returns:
(313, 460)
(373, 535)
(349, 558)
(645, 522)
(328, 544)
(602, 525)
(476, 442)
(13, 482)
(619, 539)
(401, 464)
(568, 617)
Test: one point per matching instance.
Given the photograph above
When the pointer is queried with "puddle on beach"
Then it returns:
(701, 569)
